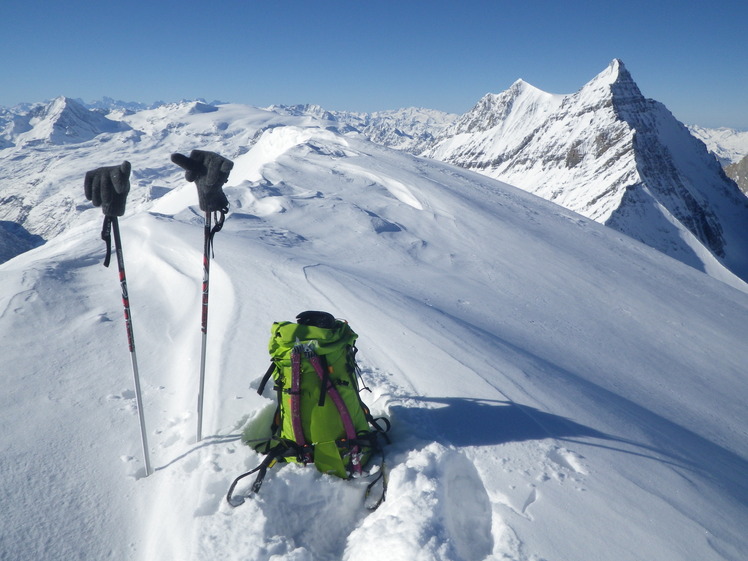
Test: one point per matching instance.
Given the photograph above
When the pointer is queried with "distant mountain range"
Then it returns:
(729, 145)
(606, 152)
(731, 148)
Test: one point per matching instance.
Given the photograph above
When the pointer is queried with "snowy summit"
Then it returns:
(557, 390)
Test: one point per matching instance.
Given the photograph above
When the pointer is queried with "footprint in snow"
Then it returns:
(531, 498)
(126, 394)
(568, 460)
(438, 495)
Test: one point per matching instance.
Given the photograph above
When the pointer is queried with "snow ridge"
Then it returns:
(569, 383)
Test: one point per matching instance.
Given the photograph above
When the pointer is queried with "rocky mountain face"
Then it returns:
(738, 172)
(614, 156)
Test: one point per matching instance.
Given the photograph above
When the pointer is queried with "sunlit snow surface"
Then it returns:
(557, 390)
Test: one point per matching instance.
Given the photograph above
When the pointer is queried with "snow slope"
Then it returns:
(557, 390)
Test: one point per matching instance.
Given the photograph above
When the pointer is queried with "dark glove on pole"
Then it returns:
(209, 171)
(108, 187)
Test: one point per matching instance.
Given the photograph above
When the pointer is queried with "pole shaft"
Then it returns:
(204, 324)
(131, 342)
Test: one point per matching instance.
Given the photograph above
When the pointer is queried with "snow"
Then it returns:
(557, 390)
(729, 145)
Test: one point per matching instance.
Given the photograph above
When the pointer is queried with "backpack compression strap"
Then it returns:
(278, 452)
(298, 430)
(345, 416)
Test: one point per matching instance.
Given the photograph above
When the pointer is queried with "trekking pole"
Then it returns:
(131, 341)
(204, 323)
(108, 187)
(209, 171)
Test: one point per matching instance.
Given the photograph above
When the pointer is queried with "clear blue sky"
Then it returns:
(373, 55)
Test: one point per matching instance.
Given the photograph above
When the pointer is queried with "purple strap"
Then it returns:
(345, 416)
(298, 431)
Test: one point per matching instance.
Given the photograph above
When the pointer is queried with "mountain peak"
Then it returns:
(614, 156)
(523, 100)
(520, 85)
(615, 72)
(615, 75)
(614, 86)
(63, 121)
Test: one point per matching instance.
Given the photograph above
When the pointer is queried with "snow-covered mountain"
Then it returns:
(45, 149)
(557, 390)
(411, 129)
(729, 145)
(612, 155)
(605, 152)
(38, 190)
(63, 121)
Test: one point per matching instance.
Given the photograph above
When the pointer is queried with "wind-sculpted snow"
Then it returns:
(556, 389)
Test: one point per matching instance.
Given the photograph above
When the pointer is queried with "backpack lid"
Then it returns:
(285, 335)
(316, 319)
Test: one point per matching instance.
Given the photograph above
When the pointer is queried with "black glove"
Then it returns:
(108, 188)
(209, 171)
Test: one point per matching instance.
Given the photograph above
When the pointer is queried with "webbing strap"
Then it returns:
(298, 430)
(210, 232)
(262, 468)
(345, 416)
(381, 476)
(324, 381)
(350, 430)
(279, 451)
(106, 235)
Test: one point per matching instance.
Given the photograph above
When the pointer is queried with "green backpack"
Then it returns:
(320, 417)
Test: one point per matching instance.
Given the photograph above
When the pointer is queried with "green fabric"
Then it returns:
(322, 426)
